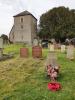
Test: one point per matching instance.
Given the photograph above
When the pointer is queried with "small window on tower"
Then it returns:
(21, 20)
(21, 26)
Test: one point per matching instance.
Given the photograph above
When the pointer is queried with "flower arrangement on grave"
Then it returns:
(52, 72)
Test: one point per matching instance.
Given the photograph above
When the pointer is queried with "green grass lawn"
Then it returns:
(25, 78)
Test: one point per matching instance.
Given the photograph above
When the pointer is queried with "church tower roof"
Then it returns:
(24, 13)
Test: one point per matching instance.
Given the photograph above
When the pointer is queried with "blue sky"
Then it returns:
(8, 8)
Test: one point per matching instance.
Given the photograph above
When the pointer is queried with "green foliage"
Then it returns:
(58, 23)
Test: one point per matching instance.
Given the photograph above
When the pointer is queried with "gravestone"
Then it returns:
(52, 45)
(24, 52)
(53, 41)
(51, 48)
(70, 52)
(1, 47)
(48, 45)
(55, 45)
(1, 43)
(59, 46)
(35, 42)
(37, 52)
(51, 59)
(63, 48)
(40, 43)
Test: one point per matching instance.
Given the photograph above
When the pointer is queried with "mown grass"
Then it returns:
(25, 78)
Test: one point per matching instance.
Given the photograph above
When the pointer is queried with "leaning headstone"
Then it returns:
(63, 48)
(1, 47)
(70, 52)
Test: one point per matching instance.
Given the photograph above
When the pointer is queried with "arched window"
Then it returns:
(21, 20)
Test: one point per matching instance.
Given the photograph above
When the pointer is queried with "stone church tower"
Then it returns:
(24, 29)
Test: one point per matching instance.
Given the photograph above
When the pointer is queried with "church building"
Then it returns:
(24, 29)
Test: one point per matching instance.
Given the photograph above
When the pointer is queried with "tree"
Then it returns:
(58, 23)
(5, 38)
